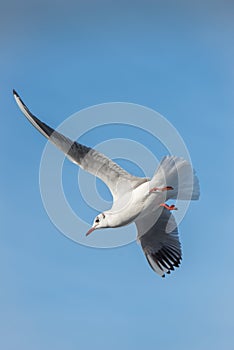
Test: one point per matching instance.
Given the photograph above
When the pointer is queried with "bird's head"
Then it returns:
(99, 222)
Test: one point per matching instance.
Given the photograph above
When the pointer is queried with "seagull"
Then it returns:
(135, 199)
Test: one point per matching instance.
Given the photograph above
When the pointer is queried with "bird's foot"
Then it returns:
(161, 189)
(168, 207)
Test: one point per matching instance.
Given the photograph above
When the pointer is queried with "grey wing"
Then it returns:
(160, 243)
(116, 178)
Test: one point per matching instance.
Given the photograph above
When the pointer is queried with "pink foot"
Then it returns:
(168, 207)
(161, 189)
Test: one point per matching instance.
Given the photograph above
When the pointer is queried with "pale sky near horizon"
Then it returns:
(175, 57)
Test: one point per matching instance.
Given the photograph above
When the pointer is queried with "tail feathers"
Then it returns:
(179, 174)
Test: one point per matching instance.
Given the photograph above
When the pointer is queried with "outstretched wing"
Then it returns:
(160, 242)
(116, 178)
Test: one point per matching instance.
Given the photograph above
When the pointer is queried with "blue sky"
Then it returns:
(174, 57)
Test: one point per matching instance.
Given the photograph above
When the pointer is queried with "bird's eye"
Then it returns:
(97, 220)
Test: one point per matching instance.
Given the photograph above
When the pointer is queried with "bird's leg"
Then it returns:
(161, 189)
(168, 207)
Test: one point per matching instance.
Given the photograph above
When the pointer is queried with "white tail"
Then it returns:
(179, 174)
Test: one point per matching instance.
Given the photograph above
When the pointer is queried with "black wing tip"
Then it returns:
(15, 93)
(18, 99)
(164, 261)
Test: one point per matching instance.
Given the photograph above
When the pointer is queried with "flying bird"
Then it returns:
(135, 199)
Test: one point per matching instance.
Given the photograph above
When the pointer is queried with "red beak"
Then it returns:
(91, 230)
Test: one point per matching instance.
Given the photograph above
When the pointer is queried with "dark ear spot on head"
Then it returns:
(103, 215)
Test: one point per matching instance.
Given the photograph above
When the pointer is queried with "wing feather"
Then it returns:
(160, 242)
(116, 178)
